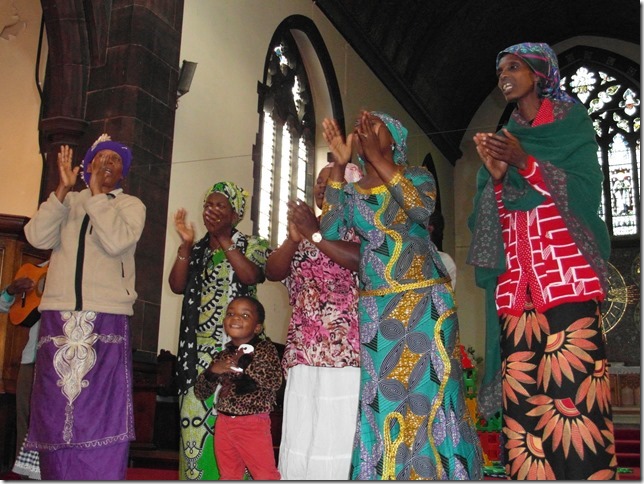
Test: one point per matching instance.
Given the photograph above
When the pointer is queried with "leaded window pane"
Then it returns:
(613, 105)
(287, 140)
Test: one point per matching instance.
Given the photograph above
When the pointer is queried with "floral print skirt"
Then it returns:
(557, 418)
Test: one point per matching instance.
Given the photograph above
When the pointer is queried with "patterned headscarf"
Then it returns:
(543, 61)
(235, 194)
(399, 134)
(104, 142)
(352, 173)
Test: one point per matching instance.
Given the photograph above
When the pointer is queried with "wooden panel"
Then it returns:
(7, 431)
(14, 251)
(12, 338)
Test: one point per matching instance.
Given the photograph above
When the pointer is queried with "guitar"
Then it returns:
(24, 310)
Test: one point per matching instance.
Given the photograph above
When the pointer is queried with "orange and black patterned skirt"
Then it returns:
(557, 418)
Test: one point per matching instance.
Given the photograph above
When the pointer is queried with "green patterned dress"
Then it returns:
(212, 284)
(412, 422)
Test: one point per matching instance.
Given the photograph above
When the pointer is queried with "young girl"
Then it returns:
(250, 374)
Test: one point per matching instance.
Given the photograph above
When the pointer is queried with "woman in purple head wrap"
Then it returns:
(81, 405)
(540, 249)
(412, 418)
(105, 143)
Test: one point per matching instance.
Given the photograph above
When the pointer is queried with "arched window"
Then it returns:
(608, 85)
(284, 155)
(288, 138)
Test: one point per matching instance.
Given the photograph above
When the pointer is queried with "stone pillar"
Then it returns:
(65, 89)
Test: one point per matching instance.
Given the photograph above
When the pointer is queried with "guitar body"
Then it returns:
(24, 310)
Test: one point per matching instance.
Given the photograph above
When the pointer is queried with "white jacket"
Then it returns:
(92, 262)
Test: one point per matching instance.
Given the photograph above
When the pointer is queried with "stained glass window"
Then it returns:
(613, 102)
(286, 165)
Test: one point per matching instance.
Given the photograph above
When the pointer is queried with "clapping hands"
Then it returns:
(68, 175)
(500, 151)
(185, 230)
(302, 220)
(340, 147)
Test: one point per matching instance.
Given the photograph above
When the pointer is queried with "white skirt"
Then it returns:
(319, 422)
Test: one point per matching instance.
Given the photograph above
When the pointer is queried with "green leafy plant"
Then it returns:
(476, 359)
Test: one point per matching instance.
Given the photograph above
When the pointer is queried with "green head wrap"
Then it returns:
(235, 194)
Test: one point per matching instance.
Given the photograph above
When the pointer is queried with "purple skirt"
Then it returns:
(82, 393)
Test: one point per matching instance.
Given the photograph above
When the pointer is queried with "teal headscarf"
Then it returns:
(235, 194)
(399, 134)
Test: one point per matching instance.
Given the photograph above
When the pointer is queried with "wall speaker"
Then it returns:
(185, 77)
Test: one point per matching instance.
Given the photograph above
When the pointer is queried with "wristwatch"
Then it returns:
(316, 237)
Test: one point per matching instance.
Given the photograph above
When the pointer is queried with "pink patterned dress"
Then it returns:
(321, 364)
(324, 325)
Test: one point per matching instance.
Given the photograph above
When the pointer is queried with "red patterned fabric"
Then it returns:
(557, 417)
(551, 268)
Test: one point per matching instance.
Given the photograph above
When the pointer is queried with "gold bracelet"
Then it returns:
(231, 247)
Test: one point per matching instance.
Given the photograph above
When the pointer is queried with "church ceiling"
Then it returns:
(437, 56)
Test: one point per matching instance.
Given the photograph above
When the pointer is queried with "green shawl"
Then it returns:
(567, 154)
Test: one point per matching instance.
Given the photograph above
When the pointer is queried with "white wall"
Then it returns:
(217, 121)
(20, 161)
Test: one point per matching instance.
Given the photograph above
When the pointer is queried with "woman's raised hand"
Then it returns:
(292, 231)
(369, 139)
(303, 217)
(495, 167)
(293, 234)
(186, 230)
(67, 174)
(340, 147)
(506, 148)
